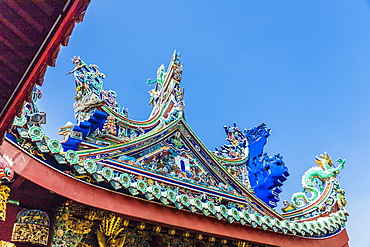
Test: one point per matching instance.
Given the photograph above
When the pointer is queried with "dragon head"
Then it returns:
(324, 161)
(6, 171)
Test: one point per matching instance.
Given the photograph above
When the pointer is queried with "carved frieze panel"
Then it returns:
(31, 233)
(31, 226)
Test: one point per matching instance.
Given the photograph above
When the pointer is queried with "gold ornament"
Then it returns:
(212, 239)
(199, 236)
(243, 244)
(4, 195)
(157, 229)
(141, 226)
(94, 214)
(79, 226)
(110, 231)
(125, 222)
(65, 216)
(60, 233)
(6, 244)
(186, 234)
(31, 233)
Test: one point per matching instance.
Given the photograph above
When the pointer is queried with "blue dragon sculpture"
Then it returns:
(266, 173)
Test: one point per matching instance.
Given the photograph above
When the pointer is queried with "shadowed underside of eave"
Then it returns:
(31, 33)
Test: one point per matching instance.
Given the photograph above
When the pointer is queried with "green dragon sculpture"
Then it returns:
(314, 179)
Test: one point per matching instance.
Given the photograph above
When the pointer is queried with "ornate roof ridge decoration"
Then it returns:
(162, 160)
(321, 190)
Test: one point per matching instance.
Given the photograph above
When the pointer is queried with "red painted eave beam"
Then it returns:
(53, 180)
(40, 66)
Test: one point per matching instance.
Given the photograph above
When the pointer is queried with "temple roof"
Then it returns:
(161, 160)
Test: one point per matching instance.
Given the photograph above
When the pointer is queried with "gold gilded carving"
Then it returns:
(31, 226)
(6, 244)
(110, 232)
(141, 226)
(76, 209)
(4, 195)
(35, 234)
(186, 234)
(111, 225)
(157, 229)
(84, 245)
(125, 222)
(94, 214)
(65, 216)
(212, 239)
(70, 227)
(167, 238)
(199, 236)
(145, 235)
(190, 242)
(34, 216)
(243, 244)
(79, 226)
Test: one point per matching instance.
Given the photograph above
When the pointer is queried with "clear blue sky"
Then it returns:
(301, 67)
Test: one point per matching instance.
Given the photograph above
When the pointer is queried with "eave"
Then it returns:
(87, 194)
(32, 33)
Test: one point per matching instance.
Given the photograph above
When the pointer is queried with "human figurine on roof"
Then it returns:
(154, 93)
(32, 106)
(78, 64)
(80, 82)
